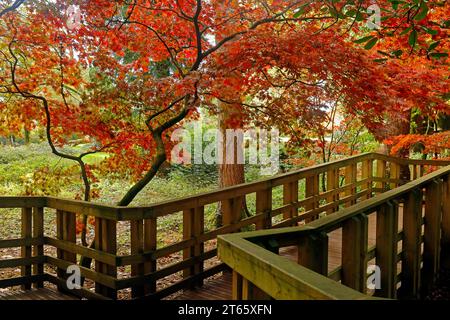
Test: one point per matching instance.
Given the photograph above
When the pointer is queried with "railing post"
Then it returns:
(264, 205)
(106, 241)
(137, 248)
(231, 210)
(412, 239)
(332, 185)
(313, 252)
(432, 235)
(65, 230)
(26, 250)
(143, 239)
(193, 227)
(386, 249)
(350, 184)
(70, 234)
(445, 250)
(394, 173)
(421, 170)
(242, 289)
(150, 244)
(60, 273)
(290, 196)
(354, 252)
(367, 173)
(236, 290)
(110, 246)
(247, 290)
(381, 173)
(38, 250)
(414, 172)
(312, 191)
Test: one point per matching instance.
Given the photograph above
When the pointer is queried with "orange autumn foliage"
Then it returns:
(430, 144)
(130, 73)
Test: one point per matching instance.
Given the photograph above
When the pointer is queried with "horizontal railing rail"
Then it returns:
(289, 199)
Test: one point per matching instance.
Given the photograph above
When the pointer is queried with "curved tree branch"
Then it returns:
(48, 125)
(12, 7)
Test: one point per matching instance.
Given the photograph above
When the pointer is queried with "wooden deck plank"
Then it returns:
(213, 289)
(35, 294)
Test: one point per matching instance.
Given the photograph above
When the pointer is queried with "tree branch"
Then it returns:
(12, 7)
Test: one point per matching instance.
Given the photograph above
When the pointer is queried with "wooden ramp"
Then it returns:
(220, 288)
(35, 294)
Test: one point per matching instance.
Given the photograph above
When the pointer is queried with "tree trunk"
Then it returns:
(27, 134)
(444, 122)
(230, 174)
(398, 123)
(158, 160)
(401, 125)
(12, 140)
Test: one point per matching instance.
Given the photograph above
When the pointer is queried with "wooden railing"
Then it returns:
(139, 264)
(412, 242)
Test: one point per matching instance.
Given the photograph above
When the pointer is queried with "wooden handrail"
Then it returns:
(348, 182)
(283, 278)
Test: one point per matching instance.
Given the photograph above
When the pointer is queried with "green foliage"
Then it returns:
(412, 38)
(364, 39)
(46, 181)
(16, 162)
(366, 142)
(371, 43)
(423, 11)
(199, 175)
